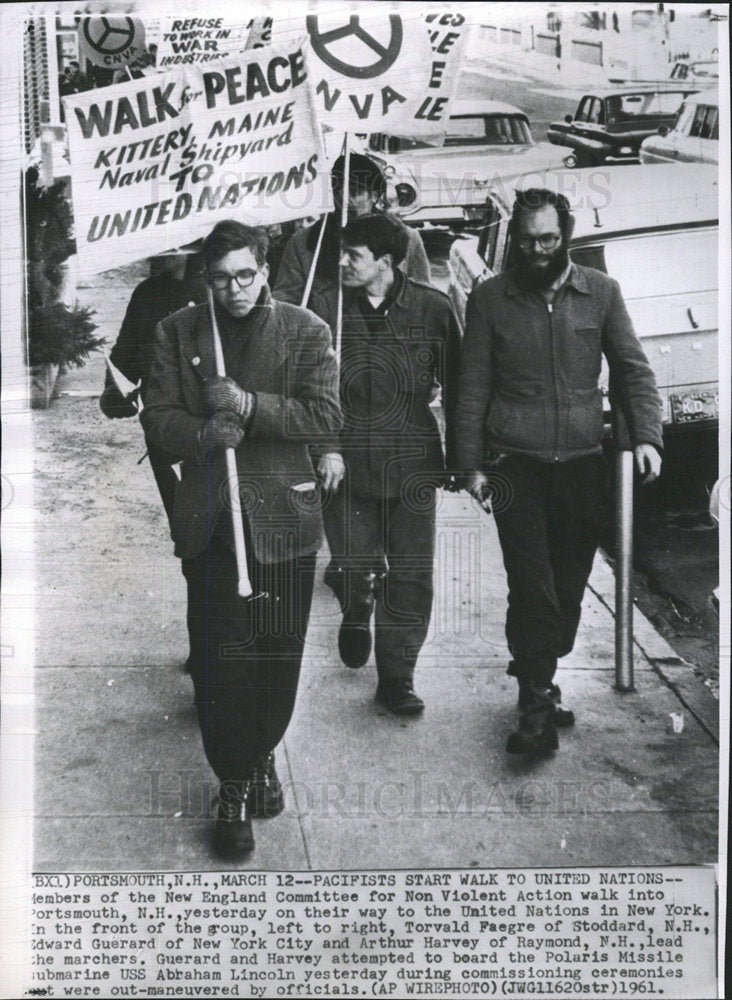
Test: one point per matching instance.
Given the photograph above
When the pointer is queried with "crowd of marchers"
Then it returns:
(322, 384)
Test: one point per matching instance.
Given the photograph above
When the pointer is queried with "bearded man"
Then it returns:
(529, 412)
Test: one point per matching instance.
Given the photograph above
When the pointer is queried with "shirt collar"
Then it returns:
(564, 276)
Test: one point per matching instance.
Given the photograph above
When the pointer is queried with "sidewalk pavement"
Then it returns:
(121, 779)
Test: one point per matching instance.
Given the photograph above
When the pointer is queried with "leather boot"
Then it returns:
(233, 836)
(537, 732)
(265, 797)
(563, 717)
(399, 696)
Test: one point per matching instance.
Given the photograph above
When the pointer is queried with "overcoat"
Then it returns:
(286, 359)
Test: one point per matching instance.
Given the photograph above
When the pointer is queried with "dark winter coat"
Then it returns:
(390, 434)
(529, 372)
(288, 361)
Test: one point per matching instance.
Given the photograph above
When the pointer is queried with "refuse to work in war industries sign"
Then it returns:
(185, 40)
(156, 162)
(381, 72)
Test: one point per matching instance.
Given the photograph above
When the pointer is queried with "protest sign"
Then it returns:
(187, 40)
(448, 34)
(111, 41)
(372, 72)
(155, 162)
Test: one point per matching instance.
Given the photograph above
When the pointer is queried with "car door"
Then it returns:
(593, 117)
(701, 145)
(665, 148)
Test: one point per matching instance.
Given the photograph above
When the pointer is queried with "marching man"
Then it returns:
(279, 396)
(530, 411)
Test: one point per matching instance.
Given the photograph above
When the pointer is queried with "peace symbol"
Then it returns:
(387, 55)
(113, 38)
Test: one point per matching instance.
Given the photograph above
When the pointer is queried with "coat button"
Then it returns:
(196, 361)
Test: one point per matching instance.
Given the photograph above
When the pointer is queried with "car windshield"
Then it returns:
(655, 264)
(622, 106)
(465, 130)
(487, 130)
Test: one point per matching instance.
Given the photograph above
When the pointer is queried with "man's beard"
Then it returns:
(532, 277)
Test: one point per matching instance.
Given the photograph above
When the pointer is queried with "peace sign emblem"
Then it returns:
(111, 41)
(387, 54)
(109, 35)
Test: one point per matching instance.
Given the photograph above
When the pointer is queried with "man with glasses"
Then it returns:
(529, 426)
(279, 397)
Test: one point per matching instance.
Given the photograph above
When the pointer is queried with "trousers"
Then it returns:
(245, 653)
(387, 554)
(549, 525)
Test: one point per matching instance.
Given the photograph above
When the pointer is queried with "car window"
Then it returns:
(621, 106)
(584, 109)
(656, 264)
(710, 125)
(464, 130)
(487, 130)
(696, 125)
(594, 112)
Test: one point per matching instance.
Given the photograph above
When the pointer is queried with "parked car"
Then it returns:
(447, 184)
(656, 232)
(610, 124)
(694, 136)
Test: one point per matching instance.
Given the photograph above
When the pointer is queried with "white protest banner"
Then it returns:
(448, 34)
(111, 41)
(185, 40)
(155, 162)
(371, 70)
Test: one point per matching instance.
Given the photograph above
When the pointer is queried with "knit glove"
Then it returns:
(222, 431)
(225, 395)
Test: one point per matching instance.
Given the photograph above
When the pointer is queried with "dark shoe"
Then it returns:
(537, 733)
(354, 637)
(265, 797)
(399, 697)
(563, 717)
(233, 836)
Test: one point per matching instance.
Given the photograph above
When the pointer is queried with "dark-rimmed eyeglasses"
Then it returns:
(222, 281)
(547, 242)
